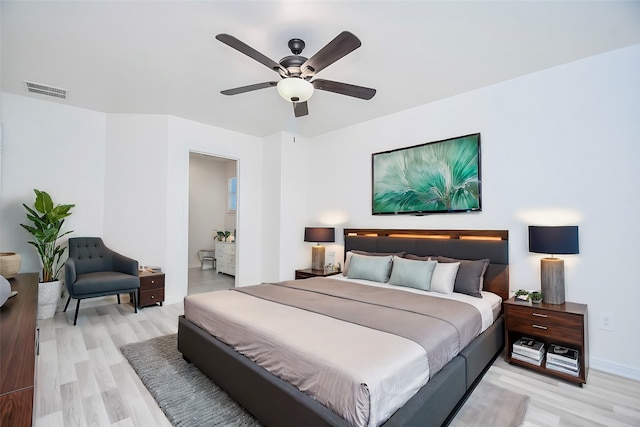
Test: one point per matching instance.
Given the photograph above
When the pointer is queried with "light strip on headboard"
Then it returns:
(480, 238)
(422, 236)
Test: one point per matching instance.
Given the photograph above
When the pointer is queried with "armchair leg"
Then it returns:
(75, 319)
(135, 302)
(67, 304)
(118, 298)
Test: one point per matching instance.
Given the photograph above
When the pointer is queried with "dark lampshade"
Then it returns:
(553, 240)
(319, 234)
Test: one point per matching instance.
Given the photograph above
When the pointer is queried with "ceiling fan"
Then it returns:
(296, 71)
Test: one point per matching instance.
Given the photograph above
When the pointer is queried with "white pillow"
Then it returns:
(444, 277)
(374, 268)
(411, 273)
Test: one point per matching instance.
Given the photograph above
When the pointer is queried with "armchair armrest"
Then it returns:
(124, 264)
(70, 276)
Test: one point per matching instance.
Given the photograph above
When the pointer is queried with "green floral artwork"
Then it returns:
(436, 177)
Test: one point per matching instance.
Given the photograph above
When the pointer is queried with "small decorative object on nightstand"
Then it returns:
(151, 290)
(309, 272)
(555, 326)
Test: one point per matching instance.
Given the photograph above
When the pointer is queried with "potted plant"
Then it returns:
(46, 228)
(223, 235)
(536, 296)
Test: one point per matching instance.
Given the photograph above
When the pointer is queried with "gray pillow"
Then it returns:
(374, 268)
(411, 273)
(470, 275)
(421, 258)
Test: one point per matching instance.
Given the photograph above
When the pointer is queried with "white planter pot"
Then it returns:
(48, 296)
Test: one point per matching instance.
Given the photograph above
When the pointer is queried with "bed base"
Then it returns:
(277, 403)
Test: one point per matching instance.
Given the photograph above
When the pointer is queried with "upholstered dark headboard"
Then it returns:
(462, 244)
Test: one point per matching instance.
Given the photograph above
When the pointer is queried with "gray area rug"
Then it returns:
(190, 399)
(186, 395)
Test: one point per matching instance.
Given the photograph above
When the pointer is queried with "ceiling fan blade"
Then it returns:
(249, 88)
(300, 109)
(344, 43)
(251, 52)
(344, 89)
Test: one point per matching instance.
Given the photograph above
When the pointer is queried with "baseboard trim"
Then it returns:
(615, 369)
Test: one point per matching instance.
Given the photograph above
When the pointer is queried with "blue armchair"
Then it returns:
(93, 270)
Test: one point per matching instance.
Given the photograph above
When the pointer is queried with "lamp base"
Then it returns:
(552, 280)
(317, 257)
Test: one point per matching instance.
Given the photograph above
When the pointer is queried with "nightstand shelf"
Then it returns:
(307, 272)
(561, 324)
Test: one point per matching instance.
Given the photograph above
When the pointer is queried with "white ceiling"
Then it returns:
(161, 57)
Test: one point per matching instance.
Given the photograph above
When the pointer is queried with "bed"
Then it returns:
(276, 402)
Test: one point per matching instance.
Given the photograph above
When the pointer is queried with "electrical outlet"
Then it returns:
(606, 322)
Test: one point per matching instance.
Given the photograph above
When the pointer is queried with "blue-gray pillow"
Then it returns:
(374, 268)
(347, 261)
(412, 273)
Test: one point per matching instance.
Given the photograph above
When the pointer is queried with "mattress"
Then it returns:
(361, 373)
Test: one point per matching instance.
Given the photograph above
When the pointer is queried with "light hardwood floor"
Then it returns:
(83, 380)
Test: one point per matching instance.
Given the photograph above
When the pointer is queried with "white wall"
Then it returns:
(271, 208)
(135, 191)
(558, 147)
(58, 149)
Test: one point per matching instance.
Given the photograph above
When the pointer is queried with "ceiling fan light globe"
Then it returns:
(295, 89)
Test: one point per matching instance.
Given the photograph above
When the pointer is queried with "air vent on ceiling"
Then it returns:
(46, 90)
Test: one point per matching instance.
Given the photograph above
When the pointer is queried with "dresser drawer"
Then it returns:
(563, 327)
(151, 297)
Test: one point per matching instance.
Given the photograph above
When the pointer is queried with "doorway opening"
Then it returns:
(212, 209)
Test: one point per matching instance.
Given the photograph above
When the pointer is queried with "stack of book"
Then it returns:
(528, 350)
(563, 359)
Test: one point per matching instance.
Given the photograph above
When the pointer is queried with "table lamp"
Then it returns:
(318, 234)
(554, 241)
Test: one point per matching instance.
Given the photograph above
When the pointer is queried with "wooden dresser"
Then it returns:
(18, 341)
(226, 257)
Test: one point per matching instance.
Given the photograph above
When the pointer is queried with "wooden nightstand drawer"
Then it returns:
(151, 297)
(557, 326)
(151, 282)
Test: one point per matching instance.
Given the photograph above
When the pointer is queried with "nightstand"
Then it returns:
(151, 289)
(561, 324)
(307, 272)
